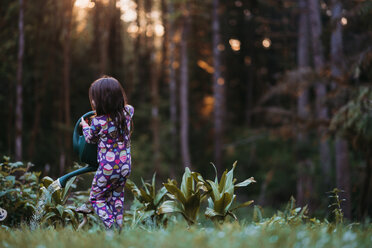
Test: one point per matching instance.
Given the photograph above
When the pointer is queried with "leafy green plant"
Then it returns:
(354, 119)
(147, 201)
(18, 191)
(138, 216)
(55, 212)
(292, 215)
(185, 200)
(337, 211)
(222, 197)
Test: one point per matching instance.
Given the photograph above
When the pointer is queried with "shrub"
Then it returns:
(18, 191)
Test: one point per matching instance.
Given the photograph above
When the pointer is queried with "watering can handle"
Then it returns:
(75, 138)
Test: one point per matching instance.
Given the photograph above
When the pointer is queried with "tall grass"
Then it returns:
(178, 235)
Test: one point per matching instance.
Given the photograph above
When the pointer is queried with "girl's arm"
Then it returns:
(130, 110)
(91, 133)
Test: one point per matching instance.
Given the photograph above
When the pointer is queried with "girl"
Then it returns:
(111, 130)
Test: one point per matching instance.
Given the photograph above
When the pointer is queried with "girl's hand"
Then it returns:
(83, 122)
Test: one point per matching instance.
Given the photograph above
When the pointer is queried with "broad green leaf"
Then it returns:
(185, 184)
(144, 196)
(202, 186)
(153, 186)
(210, 213)
(245, 204)
(160, 195)
(10, 179)
(222, 183)
(60, 209)
(190, 186)
(68, 213)
(192, 207)
(169, 207)
(210, 203)
(198, 177)
(67, 189)
(171, 196)
(145, 187)
(215, 192)
(229, 186)
(133, 187)
(245, 182)
(175, 192)
(223, 204)
(48, 216)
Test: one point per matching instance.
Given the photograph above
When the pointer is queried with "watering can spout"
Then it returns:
(63, 179)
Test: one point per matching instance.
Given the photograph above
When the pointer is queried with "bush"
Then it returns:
(18, 191)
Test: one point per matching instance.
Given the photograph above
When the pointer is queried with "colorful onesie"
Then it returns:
(107, 193)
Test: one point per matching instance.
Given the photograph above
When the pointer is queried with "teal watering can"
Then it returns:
(87, 153)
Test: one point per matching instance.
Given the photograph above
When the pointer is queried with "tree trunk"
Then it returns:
(19, 87)
(303, 176)
(66, 47)
(103, 35)
(154, 51)
(40, 93)
(343, 174)
(137, 49)
(366, 194)
(320, 89)
(341, 146)
(115, 44)
(218, 87)
(172, 85)
(247, 51)
(184, 84)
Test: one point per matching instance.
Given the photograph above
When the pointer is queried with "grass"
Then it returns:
(178, 235)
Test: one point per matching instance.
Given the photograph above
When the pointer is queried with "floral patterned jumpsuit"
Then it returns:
(114, 159)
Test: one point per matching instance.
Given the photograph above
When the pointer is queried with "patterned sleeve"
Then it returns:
(130, 110)
(91, 133)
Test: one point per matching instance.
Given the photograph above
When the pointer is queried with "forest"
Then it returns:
(283, 87)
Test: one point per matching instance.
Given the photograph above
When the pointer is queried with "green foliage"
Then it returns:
(18, 191)
(53, 203)
(337, 211)
(222, 197)
(138, 216)
(291, 216)
(185, 200)
(147, 202)
(354, 120)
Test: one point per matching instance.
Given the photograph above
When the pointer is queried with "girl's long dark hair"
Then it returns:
(107, 97)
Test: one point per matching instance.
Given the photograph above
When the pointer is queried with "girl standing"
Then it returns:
(111, 130)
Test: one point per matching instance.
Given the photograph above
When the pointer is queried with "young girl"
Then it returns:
(111, 130)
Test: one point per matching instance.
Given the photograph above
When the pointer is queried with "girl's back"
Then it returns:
(111, 130)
